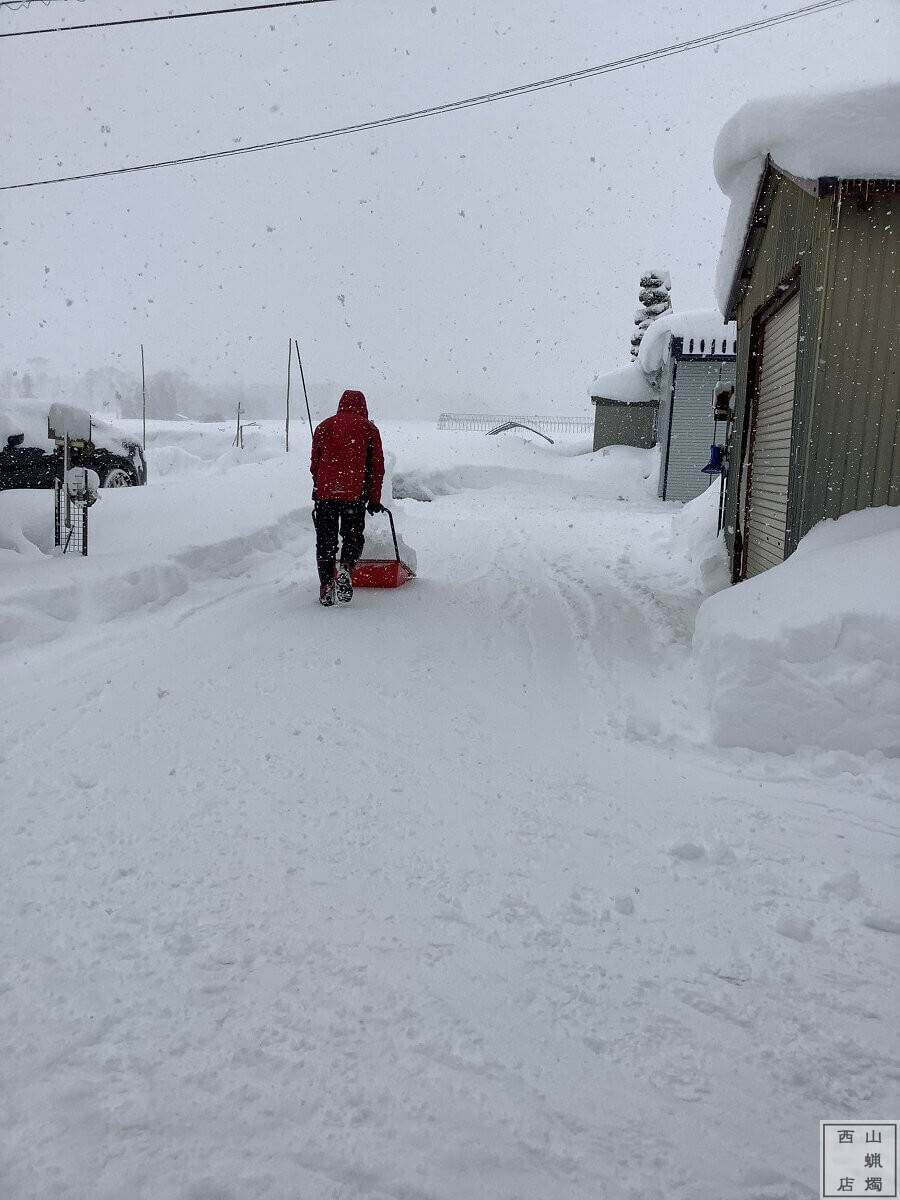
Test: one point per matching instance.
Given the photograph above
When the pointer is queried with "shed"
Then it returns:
(810, 271)
(685, 355)
(624, 409)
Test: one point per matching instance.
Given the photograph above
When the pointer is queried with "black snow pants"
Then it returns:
(331, 517)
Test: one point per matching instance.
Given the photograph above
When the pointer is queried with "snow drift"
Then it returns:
(808, 654)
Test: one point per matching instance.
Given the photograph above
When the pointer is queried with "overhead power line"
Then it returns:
(522, 89)
(26, 4)
(184, 16)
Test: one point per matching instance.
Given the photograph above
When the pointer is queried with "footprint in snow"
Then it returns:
(688, 851)
(795, 928)
(720, 854)
(845, 887)
(882, 922)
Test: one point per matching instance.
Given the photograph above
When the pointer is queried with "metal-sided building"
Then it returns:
(624, 409)
(686, 429)
(815, 291)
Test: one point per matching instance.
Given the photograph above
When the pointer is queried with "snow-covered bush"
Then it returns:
(655, 300)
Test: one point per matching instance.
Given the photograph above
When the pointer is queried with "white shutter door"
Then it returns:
(771, 450)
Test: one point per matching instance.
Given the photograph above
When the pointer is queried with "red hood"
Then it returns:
(353, 402)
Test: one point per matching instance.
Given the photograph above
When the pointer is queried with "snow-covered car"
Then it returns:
(31, 447)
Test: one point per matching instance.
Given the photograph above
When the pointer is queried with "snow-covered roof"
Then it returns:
(627, 385)
(704, 324)
(843, 134)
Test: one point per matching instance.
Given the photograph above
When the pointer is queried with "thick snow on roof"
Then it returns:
(628, 385)
(848, 134)
(701, 323)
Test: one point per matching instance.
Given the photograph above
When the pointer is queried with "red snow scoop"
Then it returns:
(383, 572)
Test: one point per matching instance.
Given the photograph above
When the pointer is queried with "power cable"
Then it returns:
(24, 5)
(209, 12)
(522, 89)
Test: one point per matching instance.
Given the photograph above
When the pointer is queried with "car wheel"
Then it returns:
(118, 477)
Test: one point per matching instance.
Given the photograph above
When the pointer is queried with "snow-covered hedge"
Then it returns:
(808, 654)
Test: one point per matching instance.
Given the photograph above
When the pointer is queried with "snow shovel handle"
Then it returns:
(393, 530)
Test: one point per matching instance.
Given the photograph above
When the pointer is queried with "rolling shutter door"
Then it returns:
(771, 451)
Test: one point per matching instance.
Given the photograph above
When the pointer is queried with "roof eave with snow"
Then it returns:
(819, 141)
(824, 186)
(626, 385)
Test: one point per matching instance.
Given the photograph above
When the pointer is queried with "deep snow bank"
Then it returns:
(209, 511)
(697, 544)
(808, 654)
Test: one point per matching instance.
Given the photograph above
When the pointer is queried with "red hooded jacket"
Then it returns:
(347, 460)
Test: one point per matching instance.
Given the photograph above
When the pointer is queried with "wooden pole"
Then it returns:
(303, 381)
(287, 404)
(143, 399)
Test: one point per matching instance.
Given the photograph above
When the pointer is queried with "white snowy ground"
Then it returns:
(443, 895)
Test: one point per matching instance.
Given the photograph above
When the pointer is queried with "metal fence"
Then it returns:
(485, 422)
(70, 522)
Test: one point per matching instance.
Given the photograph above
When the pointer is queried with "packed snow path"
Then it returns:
(436, 896)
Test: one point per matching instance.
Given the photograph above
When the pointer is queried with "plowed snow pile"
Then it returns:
(808, 654)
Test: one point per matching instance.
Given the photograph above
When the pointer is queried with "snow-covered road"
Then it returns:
(442, 895)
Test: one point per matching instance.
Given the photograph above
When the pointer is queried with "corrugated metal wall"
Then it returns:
(688, 429)
(617, 424)
(845, 454)
(851, 457)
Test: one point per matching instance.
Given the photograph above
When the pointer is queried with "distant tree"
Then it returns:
(162, 395)
(27, 387)
(108, 391)
(655, 300)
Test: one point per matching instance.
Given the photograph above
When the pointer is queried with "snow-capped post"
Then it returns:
(305, 393)
(655, 300)
(287, 404)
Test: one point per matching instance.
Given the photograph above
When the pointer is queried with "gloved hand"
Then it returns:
(372, 508)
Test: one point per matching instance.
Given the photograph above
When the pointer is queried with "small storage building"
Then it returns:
(810, 271)
(624, 409)
(685, 355)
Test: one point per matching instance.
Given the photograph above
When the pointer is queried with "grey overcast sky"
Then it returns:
(493, 251)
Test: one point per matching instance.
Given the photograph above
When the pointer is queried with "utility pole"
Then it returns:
(143, 400)
(287, 415)
(305, 393)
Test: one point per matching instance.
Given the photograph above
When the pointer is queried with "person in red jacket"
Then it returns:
(347, 467)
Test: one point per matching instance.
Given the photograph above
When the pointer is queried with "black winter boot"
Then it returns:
(344, 584)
